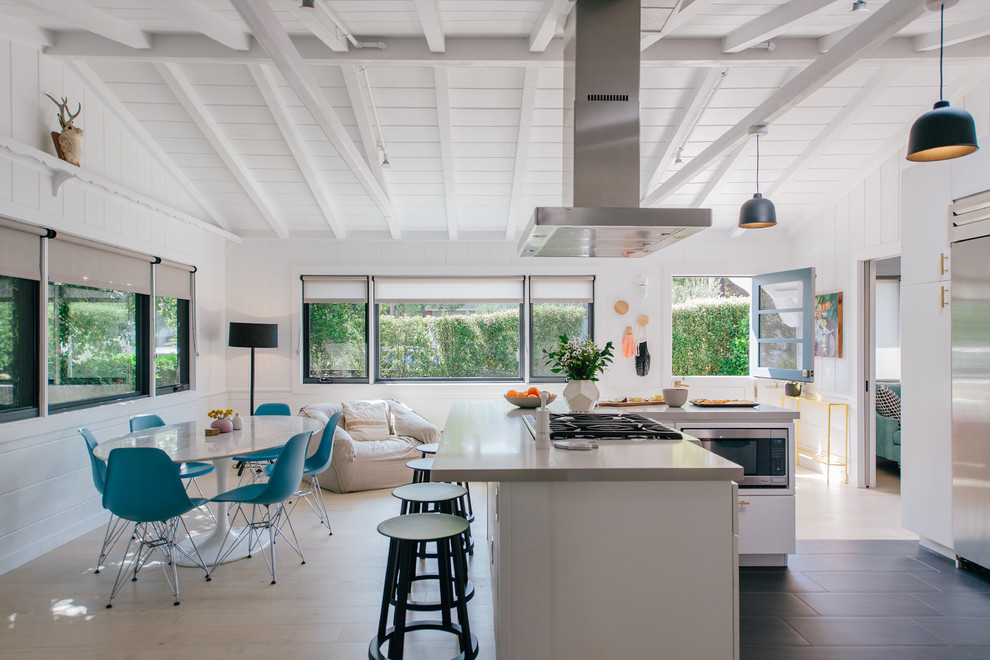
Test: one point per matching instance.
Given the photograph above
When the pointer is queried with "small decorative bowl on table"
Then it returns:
(527, 401)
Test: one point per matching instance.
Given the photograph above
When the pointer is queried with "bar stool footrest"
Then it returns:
(375, 647)
(434, 606)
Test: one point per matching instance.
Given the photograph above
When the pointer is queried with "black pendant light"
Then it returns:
(758, 212)
(944, 132)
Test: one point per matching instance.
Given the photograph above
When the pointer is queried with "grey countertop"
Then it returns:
(488, 441)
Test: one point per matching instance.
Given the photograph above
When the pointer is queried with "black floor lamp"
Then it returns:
(253, 335)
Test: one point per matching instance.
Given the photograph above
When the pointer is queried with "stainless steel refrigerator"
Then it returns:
(970, 305)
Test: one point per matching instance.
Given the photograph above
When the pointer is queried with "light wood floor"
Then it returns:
(54, 605)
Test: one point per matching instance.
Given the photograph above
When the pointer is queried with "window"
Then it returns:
(558, 306)
(98, 324)
(173, 292)
(782, 322)
(710, 326)
(20, 274)
(335, 331)
(440, 328)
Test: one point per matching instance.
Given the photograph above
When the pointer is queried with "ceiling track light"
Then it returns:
(860, 6)
(374, 114)
(943, 132)
(759, 212)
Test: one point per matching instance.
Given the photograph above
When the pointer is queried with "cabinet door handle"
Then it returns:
(743, 502)
(941, 263)
(944, 302)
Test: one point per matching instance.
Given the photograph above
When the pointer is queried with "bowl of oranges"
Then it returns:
(527, 398)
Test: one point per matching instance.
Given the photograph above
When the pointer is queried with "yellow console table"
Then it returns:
(816, 426)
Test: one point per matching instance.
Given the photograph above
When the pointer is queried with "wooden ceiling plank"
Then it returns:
(684, 12)
(685, 122)
(954, 34)
(552, 15)
(265, 80)
(186, 95)
(727, 164)
(882, 25)
(880, 81)
(266, 28)
(208, 22)
(769, 25)
(321, 23)
(96, 85)
(825, 43)
(446, 149)
(25, 33)
(429, 18)
(95, 20)
(526, 108)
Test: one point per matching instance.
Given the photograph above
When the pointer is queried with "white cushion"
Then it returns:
(366, 420)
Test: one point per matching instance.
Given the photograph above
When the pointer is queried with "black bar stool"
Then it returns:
(440, 497)
(421, 469)
(405, 533)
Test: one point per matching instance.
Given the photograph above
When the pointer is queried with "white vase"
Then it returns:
(581, 395)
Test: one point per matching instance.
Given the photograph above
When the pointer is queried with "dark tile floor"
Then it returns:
(864, 600)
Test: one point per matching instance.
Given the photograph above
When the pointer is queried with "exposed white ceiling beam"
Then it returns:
(880, 81)
(771, 24)
(429, 18)
(886, 22)
(361, 106)
(96, 85)
(552, 15)
(267, 85)
(318, 21)
(825, 43)
(26, 33)
(446, 148)
(95, 20)
(200, 114)
(955, 34)
(684, 12)
(701, 51)
(685, 121)
(208, 22)
(267, 29)
(718, 176)
(526, 109)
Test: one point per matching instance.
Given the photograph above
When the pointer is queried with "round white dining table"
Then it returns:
(187, 441)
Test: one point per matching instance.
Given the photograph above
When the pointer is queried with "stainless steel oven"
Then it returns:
(762, 453)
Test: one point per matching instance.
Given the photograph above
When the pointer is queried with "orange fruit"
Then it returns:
(512, 393)
(531, 395)
(533, 390)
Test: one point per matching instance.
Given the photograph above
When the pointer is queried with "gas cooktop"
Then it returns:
(608, 426)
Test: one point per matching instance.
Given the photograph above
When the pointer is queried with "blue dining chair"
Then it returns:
(314, 465)
(272, 497)
(256, 461)
(115, 526)
(187, 471)
(143, 486)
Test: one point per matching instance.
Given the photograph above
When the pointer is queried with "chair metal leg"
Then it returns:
(115, 527)
(206, 507)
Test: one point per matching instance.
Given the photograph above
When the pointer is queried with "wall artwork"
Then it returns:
(828, 325)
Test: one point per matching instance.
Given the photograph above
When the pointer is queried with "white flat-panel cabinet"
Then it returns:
(926, 195)
(768, 521)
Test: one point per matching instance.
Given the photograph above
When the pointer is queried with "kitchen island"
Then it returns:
(628, 550)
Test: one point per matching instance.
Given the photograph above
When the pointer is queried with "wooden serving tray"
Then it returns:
(629, 404)
(727, 404)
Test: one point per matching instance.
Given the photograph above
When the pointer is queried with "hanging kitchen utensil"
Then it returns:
(621, 307)
(642, 351)
(628, 343)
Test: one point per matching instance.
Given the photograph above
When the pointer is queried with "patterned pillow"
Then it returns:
(888, 403)
(366, 420)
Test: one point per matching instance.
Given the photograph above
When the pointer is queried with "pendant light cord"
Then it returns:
(941, 49)
(757, 163)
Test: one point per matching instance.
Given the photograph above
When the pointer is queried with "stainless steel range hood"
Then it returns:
(601, 79)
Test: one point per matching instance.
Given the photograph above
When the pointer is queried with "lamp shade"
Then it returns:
(757, 213)
(253, 335)
(942, 133)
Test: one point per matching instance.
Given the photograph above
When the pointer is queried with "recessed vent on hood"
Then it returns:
(601, 80)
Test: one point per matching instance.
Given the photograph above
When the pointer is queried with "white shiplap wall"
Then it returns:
(46, 491)
(866, 223)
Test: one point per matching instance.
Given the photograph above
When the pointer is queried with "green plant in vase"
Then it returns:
(582, 362)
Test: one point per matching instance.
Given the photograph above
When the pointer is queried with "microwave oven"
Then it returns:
(762, 453)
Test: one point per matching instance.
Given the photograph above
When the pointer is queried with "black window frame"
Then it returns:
(307, 378)
(508, 379)
(532, 348)
(183, 343)
(27, 301)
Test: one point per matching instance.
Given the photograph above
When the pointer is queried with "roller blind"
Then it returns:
(20, 251)
(448, 290)
(86, 264)
(326, 289)
(173, 281)
(578, 289)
